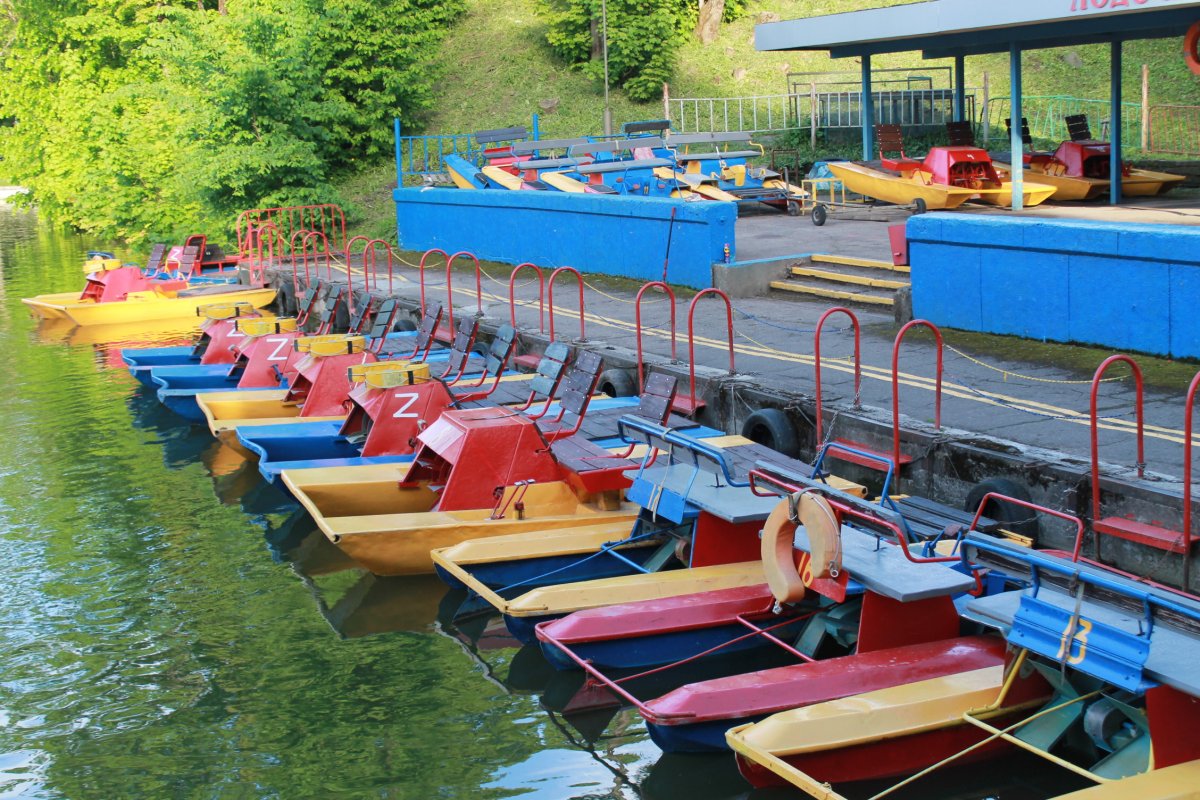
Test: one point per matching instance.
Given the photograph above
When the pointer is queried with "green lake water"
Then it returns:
(170, 627)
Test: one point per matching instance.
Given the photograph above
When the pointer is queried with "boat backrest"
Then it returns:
(307, 300)
(460, 348)
(652, 126)
(1077, 127)
(500, 350)
(542, 145)
(1026, 137)
(890, 139)
(550, 370)
(593, 148)
(496, 135)
(187, 259)
(384, 320)
(652, 142)
(961, 134)
(429, 323)
(684, 139)
(154, 261)
(580, 383)
(358, 318)
(200, 242)
(657, 397)
(333, 299)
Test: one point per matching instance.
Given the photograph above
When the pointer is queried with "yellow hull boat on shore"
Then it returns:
(892, 188)
(915, 185)
(1067, 187)
(142, 306)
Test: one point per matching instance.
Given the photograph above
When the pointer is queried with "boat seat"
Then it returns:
(887, 571)
(623, 165)
(717, 155)
(579, 454)
(890, 139)
(215, 288)
(496, 135)
(538, 145)
(548, 163)
(592, 148)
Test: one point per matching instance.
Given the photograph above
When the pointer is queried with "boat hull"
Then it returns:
(67, 306)
(891, 188)
(1066, 186)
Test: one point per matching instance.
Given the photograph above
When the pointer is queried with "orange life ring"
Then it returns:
(787, 582)
(1190, 54)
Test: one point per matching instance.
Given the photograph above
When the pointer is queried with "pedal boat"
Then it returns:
(1053, 173)
(214, 345)
(387, 517)
(115, 293)
(873, 616)
(1089, 158)
(947, 178)
(697, 531)
(1117, 653)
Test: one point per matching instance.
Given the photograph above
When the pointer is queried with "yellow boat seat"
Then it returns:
(334, 344)
(225, 310)
(265, 326)
(390, 374)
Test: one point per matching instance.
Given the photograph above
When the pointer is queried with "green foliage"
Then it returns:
(144, 117)
(644, 37)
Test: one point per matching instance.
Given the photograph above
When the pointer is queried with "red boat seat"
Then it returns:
(891, 140)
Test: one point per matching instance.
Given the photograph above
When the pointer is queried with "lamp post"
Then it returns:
(608, 127)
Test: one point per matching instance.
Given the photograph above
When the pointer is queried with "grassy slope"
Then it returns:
(496, 68)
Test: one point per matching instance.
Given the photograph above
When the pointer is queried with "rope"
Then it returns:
(1007, 372)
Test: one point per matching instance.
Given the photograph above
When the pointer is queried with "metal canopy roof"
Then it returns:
(944, 28)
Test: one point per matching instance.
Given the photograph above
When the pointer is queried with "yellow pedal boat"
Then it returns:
(1067, 187)
(387, 517)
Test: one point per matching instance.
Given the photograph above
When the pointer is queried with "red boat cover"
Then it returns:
(769, 691)
(652, 617)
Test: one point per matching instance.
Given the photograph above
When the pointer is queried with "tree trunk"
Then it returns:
(597, 40)
(709, 22)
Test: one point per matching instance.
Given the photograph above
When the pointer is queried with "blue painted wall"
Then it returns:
(624, 236)
(1126, 286)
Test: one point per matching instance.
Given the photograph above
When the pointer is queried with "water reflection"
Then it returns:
(174, 627)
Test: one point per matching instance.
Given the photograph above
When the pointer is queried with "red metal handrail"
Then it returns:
(550, 295)
(327, 218)
(258, 270)
(1094, 418)
(1187, 478)
(1071, 518)
(421, 272)
(512, 300)
(637, 321)
(391, 261)
(313, 236)
(346, 254)
(301, 232)
(450, 286)
(692, 337)
(937, 413)
(817, 360)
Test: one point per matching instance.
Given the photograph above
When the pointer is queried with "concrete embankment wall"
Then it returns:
(623, 236)
(1125, 286)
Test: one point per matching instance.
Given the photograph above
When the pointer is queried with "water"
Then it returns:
(172, 628)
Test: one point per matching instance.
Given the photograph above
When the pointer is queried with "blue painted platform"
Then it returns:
(1126, 286)
(623, 236)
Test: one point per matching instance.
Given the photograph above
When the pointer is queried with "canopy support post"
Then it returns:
(1017, 143)
(1114, 127)
(960, 89)
(867, 110)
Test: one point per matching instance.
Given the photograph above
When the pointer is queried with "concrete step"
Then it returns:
(865, 263)
(847, 292)
(848, 277)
